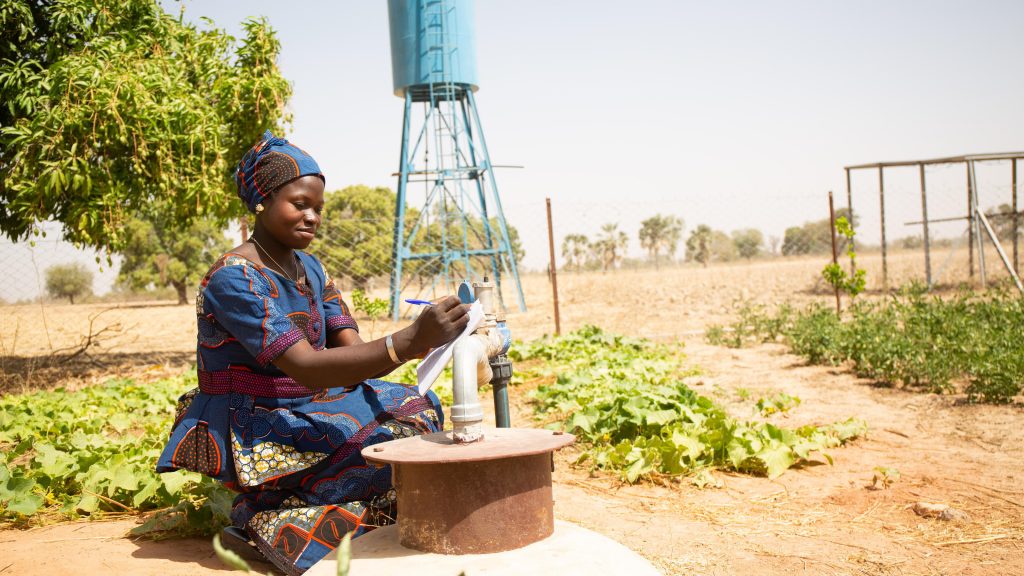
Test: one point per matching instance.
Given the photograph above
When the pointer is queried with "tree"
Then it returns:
(574, 250)
(813, 237)
(162, 255)
(1001, 219)
(660, 233)
(68, 281)
(113, 109)
(722, 247)
(698, 245)
(356, 234)
(748, 241)
(609, 247)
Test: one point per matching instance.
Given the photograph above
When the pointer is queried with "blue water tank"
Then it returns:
(433, 47)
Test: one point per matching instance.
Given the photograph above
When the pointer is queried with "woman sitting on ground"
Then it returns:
(288, 394)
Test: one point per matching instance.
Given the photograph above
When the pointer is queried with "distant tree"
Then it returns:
(910, 242)
(722, 247)
(68, 281)
(610, 245)
(574, 250)
(660, 233)
(161, 255)
(773, 244)
(357, 232)
(698, 245)
(1001, 219)
(749, 242)
(813, 237)
(115, 108)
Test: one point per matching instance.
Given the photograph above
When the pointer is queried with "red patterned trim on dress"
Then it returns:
(277, 347)
(251, 383)
(339, 322)
(355, 442)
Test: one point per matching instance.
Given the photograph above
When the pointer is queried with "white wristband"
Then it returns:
(390, 345)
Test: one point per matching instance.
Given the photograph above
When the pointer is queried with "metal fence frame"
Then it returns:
(977, 222)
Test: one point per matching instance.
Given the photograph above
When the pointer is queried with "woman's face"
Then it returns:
(292, 214)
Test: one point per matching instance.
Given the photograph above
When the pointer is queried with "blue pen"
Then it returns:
(419, 302)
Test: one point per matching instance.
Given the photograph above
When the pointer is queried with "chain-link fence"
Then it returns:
(662, 269)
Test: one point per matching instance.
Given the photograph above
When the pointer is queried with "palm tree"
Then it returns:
(611, 245)
(574, 250)
(659, 233)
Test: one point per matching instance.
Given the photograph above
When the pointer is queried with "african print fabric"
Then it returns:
(292, 453)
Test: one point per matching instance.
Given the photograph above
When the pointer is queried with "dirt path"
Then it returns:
(817, 520)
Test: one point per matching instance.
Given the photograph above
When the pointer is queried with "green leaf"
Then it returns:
(89, 503)
(635, 470)
(229, 557)
(173, 481)
(147, 492)
(120, 422)
(54, 462)
(344, 554)
(777, 458)
(26, 504)
(124, 477)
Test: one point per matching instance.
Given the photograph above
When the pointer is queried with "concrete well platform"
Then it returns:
(571, 550)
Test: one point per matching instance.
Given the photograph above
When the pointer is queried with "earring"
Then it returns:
(259, 208)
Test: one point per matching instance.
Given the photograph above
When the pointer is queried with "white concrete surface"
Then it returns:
(571, 550)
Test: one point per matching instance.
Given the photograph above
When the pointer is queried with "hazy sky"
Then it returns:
(734, 114)
(731, 113)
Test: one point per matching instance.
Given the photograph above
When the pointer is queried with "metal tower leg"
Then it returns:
(497, 203)
(398, 249)
(495, 273)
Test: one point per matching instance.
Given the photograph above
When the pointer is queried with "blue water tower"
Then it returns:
(459, 231)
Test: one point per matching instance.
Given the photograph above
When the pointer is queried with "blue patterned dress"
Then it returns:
(292, 453)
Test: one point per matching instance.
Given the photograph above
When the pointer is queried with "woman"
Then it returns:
(287, 393)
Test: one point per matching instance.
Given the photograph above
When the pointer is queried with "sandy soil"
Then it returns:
(820, 519)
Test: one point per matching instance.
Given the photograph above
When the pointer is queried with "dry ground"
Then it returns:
(816, 520)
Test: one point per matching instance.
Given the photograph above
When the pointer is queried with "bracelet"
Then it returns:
(390, 345)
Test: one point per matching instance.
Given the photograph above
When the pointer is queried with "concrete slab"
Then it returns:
(571, 550)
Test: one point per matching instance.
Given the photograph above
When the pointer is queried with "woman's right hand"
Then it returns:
(436, 325)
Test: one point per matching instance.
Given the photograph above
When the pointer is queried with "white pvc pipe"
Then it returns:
(467, 415)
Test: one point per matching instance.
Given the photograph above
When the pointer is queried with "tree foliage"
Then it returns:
(812, 237)
(610, 246)
(661, 233)
(575, 248)
(112, 108)
(68, 281)
(698, 245)
(164, 255)
(356, 234)
(1002, 219)
(749, 242)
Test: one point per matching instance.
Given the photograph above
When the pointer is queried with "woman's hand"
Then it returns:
(436, 325)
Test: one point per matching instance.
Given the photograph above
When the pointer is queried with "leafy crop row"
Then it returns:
(911, 339)
(90, 452)
(625, 400)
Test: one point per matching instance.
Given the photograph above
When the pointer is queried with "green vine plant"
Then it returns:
(374, 308)
(854, 282)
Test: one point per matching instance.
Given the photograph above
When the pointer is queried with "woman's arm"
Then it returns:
(349, 337)
(355, 360)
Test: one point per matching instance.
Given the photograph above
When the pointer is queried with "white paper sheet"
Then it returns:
(432, 366)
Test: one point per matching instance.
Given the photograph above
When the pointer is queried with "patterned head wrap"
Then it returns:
(268, 165)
